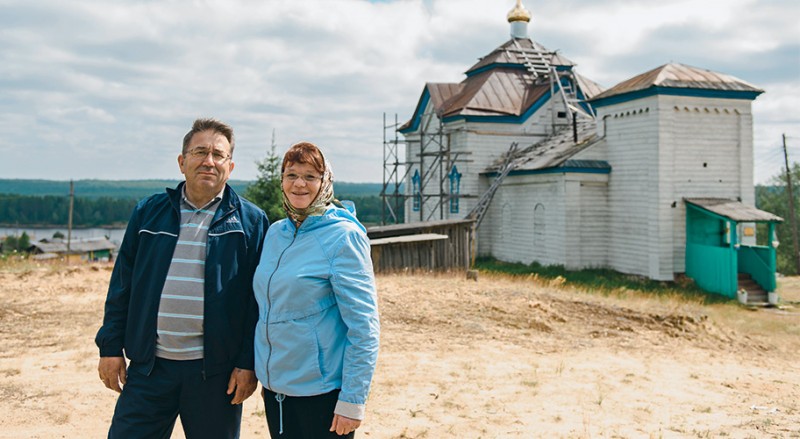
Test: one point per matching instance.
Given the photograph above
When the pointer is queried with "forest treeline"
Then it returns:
(97, 211)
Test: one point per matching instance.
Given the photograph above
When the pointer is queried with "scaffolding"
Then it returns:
(434, 160)
(391, 195)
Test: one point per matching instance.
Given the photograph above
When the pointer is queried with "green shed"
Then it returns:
(716, 258)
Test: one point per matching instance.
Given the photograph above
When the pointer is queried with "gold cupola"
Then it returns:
(519, 13)
(518, 18)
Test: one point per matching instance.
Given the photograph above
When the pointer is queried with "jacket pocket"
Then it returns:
(294, 366)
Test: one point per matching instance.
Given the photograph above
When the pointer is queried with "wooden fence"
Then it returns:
(429, 246)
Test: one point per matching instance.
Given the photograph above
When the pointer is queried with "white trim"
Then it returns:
(225, 233)
(157, 233)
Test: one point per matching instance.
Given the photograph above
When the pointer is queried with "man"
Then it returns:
(180, 302)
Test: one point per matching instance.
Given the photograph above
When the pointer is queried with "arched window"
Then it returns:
(506, 234)
(417, 199)
(538, 226)
(455, 188)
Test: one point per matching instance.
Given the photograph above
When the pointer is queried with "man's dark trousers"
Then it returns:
(149, 405)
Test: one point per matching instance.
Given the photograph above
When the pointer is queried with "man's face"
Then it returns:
(207, 163)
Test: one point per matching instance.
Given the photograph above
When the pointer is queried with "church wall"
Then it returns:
(528, 213)
(707, 150)
(592, 246)
(631, 131)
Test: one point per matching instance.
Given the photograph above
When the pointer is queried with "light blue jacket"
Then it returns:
(318, 325)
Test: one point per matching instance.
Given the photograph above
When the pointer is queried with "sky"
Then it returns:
(94, 89)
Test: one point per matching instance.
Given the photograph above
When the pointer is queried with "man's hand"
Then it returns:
(244, 382)
(112, 372)
(343, 425)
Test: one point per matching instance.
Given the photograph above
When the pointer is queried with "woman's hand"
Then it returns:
(343, 425)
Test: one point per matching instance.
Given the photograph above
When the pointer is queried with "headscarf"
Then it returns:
(320, 204)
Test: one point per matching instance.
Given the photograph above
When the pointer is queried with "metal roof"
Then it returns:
(554, 150)
(498, 85)
(674, 75)
(733, 210)
(509, 54)
(500, 91)
(76, 246)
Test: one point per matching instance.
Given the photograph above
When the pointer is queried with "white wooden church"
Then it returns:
(599, 178)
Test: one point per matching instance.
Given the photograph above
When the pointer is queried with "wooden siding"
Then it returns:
(657, 148)
(594, 223)
(519, 196)
(707, 151)
(631, 135)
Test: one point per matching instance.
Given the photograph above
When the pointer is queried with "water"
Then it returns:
(37, 234)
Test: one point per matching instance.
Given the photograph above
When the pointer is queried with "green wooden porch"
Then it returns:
(716, 258)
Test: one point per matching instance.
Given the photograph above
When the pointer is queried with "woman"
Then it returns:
(316, 342)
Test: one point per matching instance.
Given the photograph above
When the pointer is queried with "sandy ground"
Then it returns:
(497, 358)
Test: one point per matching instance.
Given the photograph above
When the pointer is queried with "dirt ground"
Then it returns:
(497, 358)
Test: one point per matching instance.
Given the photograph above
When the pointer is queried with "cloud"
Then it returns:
(98, 89)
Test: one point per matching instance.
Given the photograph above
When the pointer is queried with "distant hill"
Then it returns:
(138, 189)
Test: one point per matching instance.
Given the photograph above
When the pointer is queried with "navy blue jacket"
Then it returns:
(235, 239)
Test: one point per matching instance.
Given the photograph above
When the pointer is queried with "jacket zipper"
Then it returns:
(205, 276)
(269, 304)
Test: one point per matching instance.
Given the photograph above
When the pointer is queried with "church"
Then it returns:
(650, 177)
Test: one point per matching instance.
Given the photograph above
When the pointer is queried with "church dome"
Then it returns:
(519, 13)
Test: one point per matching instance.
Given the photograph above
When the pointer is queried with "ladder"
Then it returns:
(509, 163)
(537, 62)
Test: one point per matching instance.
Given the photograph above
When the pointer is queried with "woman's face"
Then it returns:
(301, 184)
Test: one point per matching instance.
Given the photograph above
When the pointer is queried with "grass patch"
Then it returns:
(603, 280)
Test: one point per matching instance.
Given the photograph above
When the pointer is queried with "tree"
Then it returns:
(10, 244)
(265, 192)
(24, 242)
(774, 198)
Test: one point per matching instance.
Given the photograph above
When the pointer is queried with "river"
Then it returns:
(37, 234)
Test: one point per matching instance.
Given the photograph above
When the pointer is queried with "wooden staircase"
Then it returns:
(756, 295)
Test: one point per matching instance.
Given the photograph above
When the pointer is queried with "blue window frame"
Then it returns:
(417, 199)
(455, 188)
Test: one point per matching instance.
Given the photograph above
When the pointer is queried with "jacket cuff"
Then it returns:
(105, 352)
(350, 410)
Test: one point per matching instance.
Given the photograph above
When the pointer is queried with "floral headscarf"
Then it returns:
(321, 203)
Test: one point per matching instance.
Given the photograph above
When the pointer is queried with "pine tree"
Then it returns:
(774, 198)
(265, 192)
(24, 242)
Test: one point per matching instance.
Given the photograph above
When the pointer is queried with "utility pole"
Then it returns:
(69, 223)
(792, 218)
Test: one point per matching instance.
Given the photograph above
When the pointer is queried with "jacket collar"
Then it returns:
(230, 200)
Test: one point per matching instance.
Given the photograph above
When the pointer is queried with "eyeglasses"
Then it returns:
(200, 153)
(308, 178)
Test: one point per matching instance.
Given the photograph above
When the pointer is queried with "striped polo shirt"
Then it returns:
(180, 313)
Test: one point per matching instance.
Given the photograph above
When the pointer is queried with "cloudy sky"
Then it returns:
(106, 88)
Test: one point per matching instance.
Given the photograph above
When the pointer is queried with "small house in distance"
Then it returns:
(85, 250)
(651, 177)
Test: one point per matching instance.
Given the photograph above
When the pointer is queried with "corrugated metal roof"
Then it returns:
(733, 209)
(554, 150)
(674, 75)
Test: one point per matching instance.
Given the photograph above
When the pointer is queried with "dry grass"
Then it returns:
(507, 357)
